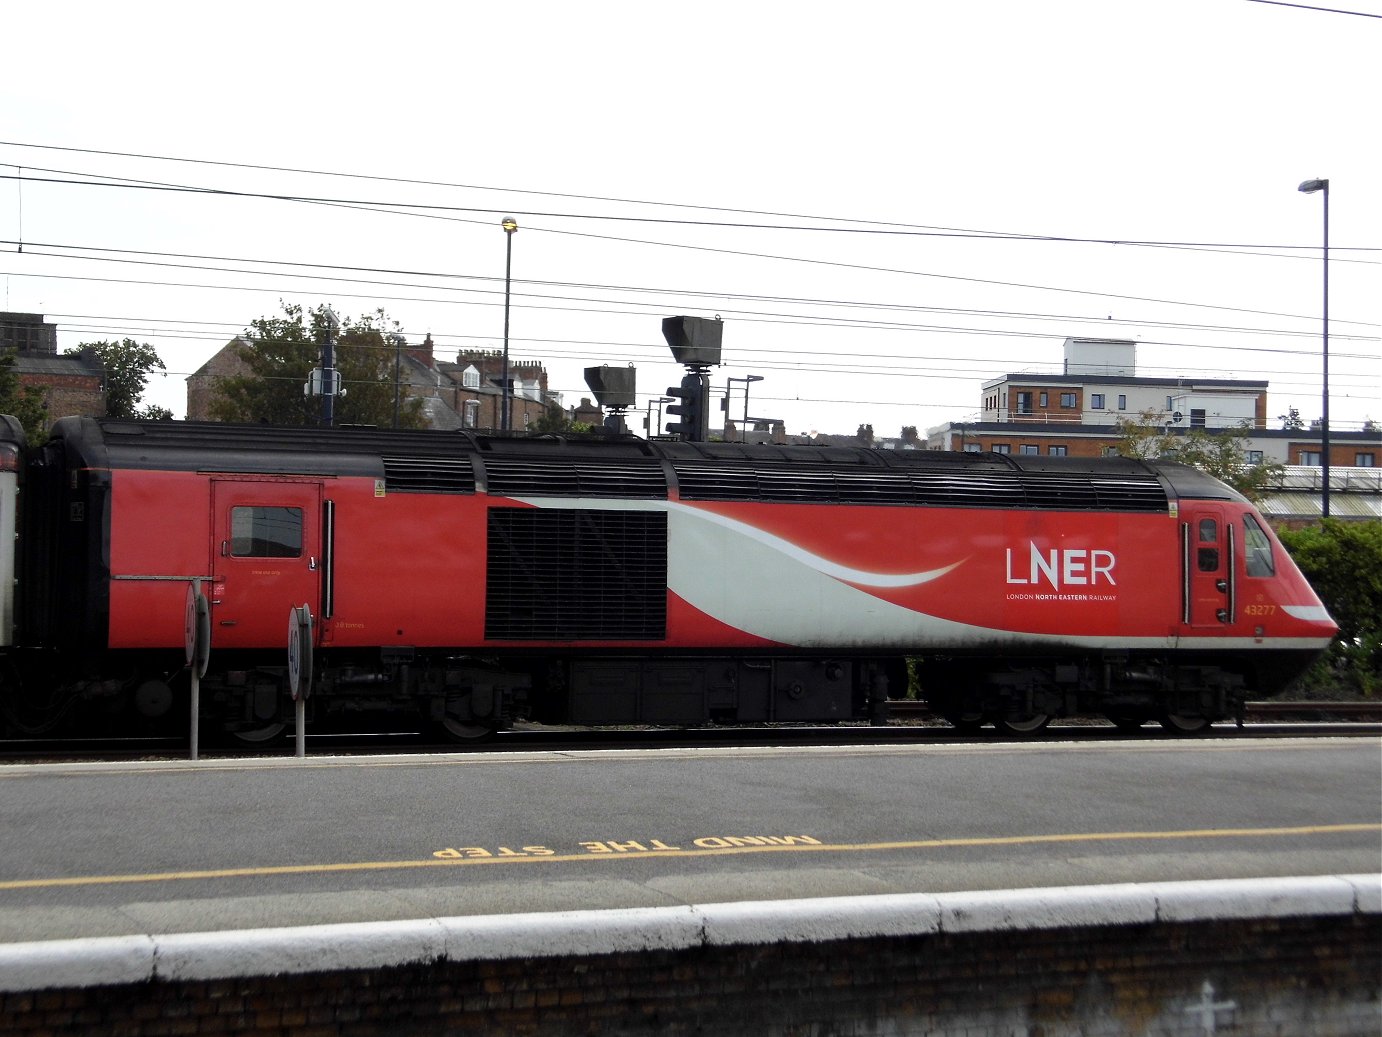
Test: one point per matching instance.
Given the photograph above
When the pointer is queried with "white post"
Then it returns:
(195, 651)
(196, 708)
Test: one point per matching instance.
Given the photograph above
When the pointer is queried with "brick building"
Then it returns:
(71, 385)
(465, 394)
(1075, 413)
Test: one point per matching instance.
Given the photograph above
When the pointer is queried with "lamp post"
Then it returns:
(510, 226)
(1310, 187)
(744, 426)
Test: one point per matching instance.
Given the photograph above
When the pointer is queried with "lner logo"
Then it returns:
(1058, 567)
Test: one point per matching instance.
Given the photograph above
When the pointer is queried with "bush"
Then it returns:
(1343, 562)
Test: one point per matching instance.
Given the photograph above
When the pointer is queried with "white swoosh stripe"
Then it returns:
(761, 536)
(1312, 613)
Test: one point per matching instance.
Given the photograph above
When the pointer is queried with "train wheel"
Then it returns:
(453, 730)
(256, 736)
(1028, 725)
(1183, 725)
(969, 723)
(1127, 724)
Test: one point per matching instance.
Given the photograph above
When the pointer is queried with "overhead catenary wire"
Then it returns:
(161, 259)
(870, 268)
(859, 225)
(758, 317)
(591, 305)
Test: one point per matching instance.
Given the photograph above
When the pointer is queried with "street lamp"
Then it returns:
(510, 226)
(747, 380)
(1310, 187)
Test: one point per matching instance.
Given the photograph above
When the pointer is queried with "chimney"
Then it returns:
(423, 353)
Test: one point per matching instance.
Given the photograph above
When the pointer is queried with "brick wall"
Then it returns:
(65, 395)
(1297, 975)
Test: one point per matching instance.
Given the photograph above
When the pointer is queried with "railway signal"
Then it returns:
(692, 406)
(695, 342)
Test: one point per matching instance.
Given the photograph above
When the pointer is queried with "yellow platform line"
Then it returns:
(907, 844)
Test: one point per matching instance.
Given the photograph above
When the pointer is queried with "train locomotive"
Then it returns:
(476, 579)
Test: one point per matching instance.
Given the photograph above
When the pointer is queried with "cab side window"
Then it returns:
(1258, 546)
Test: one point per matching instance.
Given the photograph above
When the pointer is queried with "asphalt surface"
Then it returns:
(109, 849)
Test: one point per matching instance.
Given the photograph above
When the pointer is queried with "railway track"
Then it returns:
(905, 709)
(912, 722)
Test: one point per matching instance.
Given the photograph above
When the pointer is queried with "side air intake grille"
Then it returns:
(940, 487)
(572, 575)
(1049, 491)
(428, 475)
(515, 477)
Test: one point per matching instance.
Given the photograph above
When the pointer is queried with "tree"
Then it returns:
(128, 364)
(1343, 562)
(24, 402)
(283, 351)
(1292, 420)
(554, 421)
(1223, 454)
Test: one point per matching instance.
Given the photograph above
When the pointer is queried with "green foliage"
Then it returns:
(281, 354)
(1343, 562)
(1223, 454)
(25, 402)
(128, 364)
(1291, 420)
(553, 421)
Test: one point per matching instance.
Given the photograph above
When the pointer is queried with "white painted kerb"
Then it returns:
(326, 948)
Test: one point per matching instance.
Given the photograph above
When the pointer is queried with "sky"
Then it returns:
(887, 204)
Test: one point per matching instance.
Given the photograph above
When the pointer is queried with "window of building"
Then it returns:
(1029, 448)
(1259, 549)
(1067, 399)
(1044, 402)
(1109, 451)
(1197, 417)
(1254, 457)
(1096, 401)
(261, 532)
(470, 378)
(974, 448)
(1057, 451)
(1310, 457)
(1122, 402)
(1364, 460)
(1168, 403)
(1024, 403)
(1002, 448)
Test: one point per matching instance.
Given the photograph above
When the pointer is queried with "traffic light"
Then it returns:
(693, 399)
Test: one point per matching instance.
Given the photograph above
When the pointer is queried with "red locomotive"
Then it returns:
(476, 578)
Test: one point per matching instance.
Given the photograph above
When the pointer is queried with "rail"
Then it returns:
(916, 709)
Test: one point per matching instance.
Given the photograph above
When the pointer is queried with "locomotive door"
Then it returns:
(1207, 551)
(266, 556)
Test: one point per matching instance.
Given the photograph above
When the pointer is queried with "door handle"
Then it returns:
(311, 564)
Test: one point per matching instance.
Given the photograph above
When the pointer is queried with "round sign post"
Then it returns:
(196, 622)
(300, 669)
